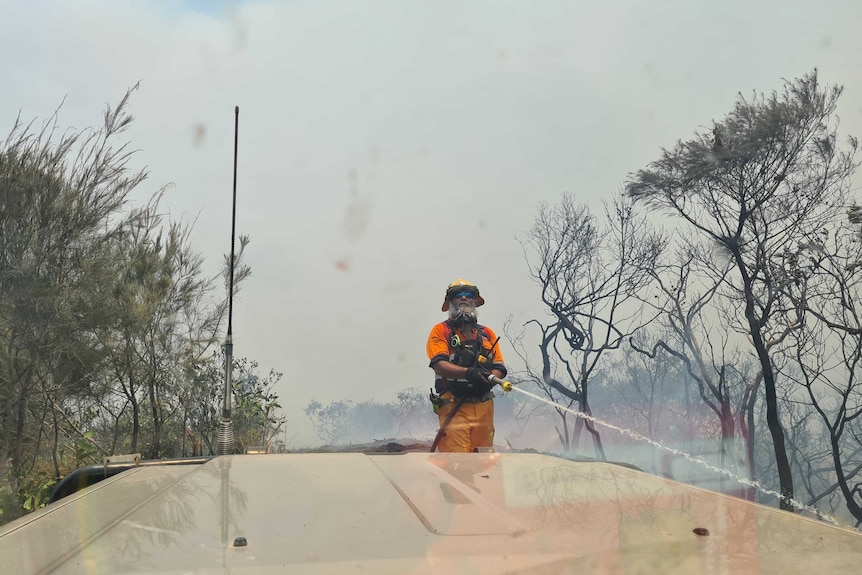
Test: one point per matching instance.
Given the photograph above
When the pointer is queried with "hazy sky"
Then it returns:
(389, 147)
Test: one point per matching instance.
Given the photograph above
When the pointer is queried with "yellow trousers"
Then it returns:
(471, 427)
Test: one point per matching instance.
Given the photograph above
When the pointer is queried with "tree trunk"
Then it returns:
(746, 427)
(576, 433)
(785, 477)
(597, 439)
(186, 429)
(136, 420)
(726, 444)
(849, 494)
(55, 448)
(18, 440)
(157, 426)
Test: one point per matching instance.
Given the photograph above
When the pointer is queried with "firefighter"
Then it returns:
(462, 354)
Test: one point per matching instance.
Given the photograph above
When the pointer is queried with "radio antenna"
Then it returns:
(225, 435)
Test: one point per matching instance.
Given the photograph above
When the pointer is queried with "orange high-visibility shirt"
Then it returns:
(439, 344)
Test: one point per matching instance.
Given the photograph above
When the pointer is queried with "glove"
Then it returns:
(477, 377)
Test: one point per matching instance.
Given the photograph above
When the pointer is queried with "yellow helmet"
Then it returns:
(461, 285)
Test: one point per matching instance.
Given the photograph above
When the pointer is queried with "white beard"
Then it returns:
(463, 313)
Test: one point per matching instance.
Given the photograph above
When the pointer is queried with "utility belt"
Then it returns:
(478, 399)
(437, 401)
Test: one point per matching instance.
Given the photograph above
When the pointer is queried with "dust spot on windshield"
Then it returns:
(358, 214)
(240, 33)
(199, 134)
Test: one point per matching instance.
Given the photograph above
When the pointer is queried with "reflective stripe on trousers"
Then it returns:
(472, 426)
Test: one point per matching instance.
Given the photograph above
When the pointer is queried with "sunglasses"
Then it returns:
(467, 294)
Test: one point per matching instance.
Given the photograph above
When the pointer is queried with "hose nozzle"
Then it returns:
(506, 385)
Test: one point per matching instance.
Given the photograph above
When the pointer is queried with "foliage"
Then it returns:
(256, 413)
(109, 327)
(81, 450)
(22, 493)
(588, 270)
(60, 206)
(759, 186)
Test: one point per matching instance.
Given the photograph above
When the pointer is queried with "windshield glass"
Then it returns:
(622, 232)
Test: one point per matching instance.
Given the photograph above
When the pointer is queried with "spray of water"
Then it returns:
(692, 458)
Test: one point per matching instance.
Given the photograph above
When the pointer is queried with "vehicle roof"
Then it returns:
(413, 513)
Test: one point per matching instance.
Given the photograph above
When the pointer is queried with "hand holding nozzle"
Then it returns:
(506, 385)
(493, 379)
